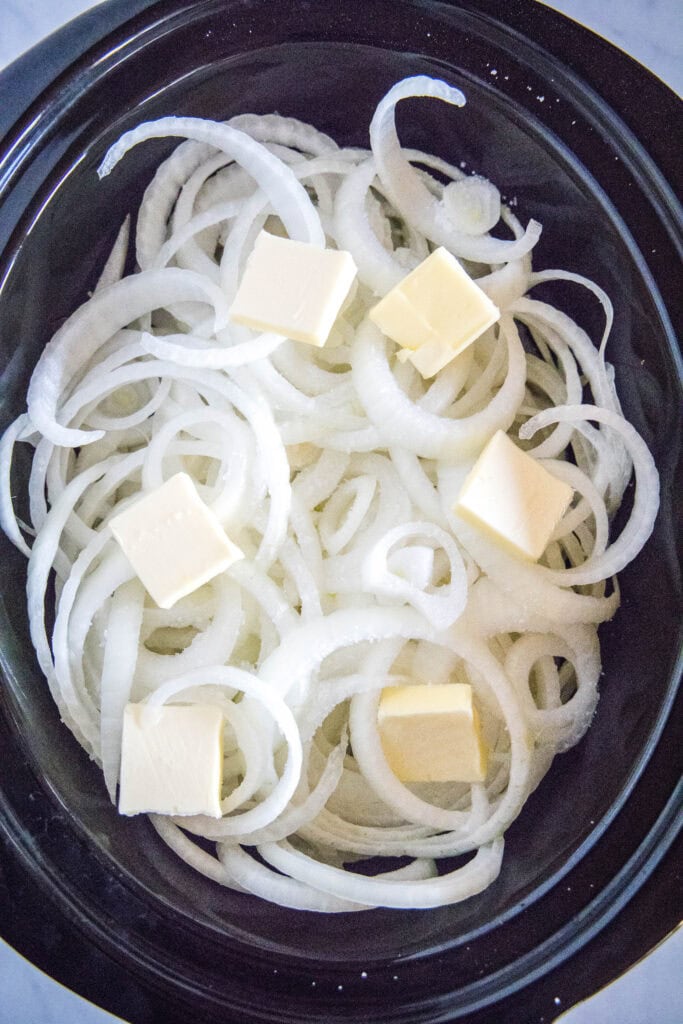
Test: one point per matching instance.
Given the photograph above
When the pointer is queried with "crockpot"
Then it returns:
(578, 136)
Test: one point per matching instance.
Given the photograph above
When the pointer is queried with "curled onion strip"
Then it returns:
(91, 325)
(442, 605)
(410, 196)
(401, 422)
(287, 196)
(244, 682)
(453, 887)
(646, 500)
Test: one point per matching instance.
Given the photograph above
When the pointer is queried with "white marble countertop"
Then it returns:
(650, 993)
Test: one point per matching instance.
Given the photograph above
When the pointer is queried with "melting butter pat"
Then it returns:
(435, 313)
(173, 541)
(293, 288)
(432, 733)
(429, 358)
(513, 497)
(172, 760)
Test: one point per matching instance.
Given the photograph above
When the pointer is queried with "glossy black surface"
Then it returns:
(599, 830)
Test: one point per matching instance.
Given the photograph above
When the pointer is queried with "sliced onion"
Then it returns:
(409, 194)
(116, 261)
(403, 424)
(646, 501)
(237, 679)
(91, 325)
(287, 196)
(335, 471)
(8, 519)
(472, 205)
(442, 605)
(453, 887)
(118, 669)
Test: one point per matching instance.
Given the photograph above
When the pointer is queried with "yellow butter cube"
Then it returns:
(293, 289)
(432, 733)
(173, 541)
(435, 312)
(513, 498)
(429, 358)
(172, 760)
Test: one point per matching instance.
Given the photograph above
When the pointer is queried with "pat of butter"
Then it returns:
(429, 358)
(172, 760)
(513, 497)
(293, 288)
(432, 733)
(435, 312)
(173, 541)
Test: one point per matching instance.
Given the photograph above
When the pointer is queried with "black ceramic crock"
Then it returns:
(581, 136)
